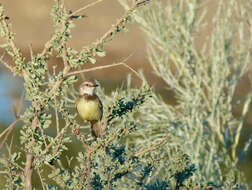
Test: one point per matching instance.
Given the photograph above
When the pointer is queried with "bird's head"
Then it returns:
(88, 87)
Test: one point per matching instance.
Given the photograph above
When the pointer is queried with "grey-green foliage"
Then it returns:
(204, 75)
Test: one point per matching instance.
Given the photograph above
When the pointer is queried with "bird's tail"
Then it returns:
(97, 129)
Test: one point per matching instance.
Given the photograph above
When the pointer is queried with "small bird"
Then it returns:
(90, 107)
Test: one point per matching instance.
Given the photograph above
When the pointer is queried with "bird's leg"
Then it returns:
(77, 130)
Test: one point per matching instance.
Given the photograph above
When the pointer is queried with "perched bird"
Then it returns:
(90, 107)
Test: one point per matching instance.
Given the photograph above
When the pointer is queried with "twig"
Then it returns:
(64, 57)
(31, 51)
(4, 172)
(5, 64)
(57, 119)
(242, 119)
(134, 71)
(85, 7)
(48, 45)
(41, 179)
(12, 44)
(157, 145)
(56, 138)
(100, 67)
(9, 129)
(2, 134)
(94, 69)
(9, 148)
(43, 134)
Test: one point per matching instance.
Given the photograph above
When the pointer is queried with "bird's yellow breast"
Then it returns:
(89, 109)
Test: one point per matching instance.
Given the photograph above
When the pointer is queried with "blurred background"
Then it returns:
(32, 23)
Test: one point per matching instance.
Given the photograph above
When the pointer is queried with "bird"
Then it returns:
(89, 107)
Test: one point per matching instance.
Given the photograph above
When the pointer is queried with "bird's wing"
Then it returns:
(76, 101)
(101, 107)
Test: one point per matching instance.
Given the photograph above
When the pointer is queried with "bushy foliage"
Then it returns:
(148, 144)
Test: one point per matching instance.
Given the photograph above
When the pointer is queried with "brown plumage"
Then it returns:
(90, 108)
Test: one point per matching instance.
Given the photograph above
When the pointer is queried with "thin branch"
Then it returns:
(157, 145)
(4, 172)
(43, 134)
(94, 69)
(5, 64)
(60, 134)
(57, 119)
(239, 128)
(85, 7)
(41, 179)
(31, 51)
(134, 71)
(100, 67)
(7, 31)
(9, 129)
(48, 45)
(9, 148)
(2, 134)
(64, 57)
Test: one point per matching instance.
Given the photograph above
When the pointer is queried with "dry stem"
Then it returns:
(28, 171)
(85, 7)
(9, 129)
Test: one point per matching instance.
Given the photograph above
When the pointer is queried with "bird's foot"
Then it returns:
(77, 130)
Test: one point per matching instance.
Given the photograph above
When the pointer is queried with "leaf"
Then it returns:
(92, 60)
(101, 53)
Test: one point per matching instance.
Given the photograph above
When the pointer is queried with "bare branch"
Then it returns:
(94, 69)
(100, 67)
(5, 64)
(85, 7)
(41, 179)
(157, 145)
(31, 51)
(9, 129)
(134, 71)
(57, 120)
